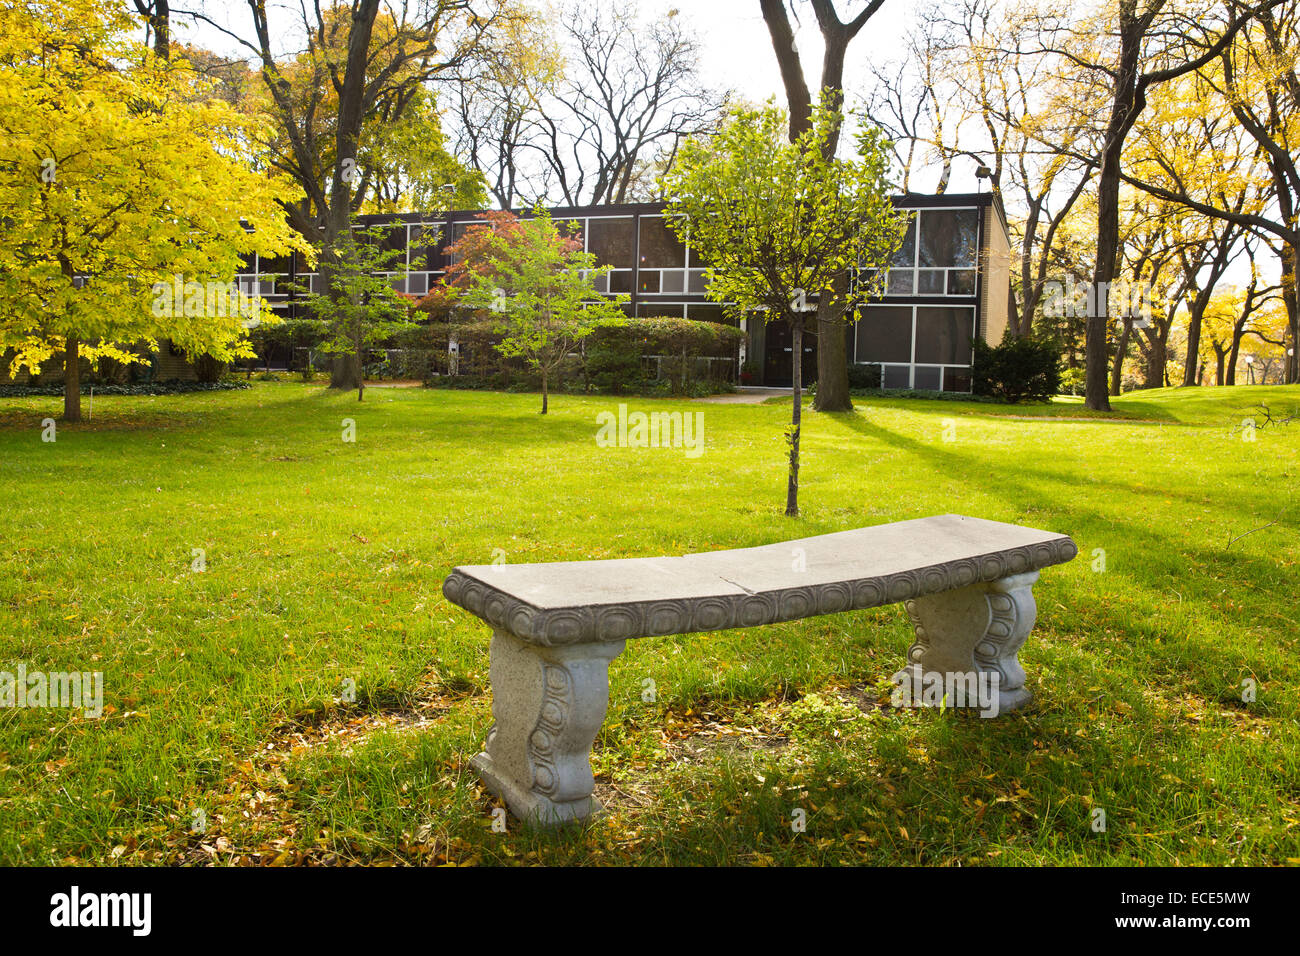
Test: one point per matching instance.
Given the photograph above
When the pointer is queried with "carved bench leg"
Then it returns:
(975, 630)
(548, 704)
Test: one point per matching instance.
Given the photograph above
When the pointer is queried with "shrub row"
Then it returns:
(171, 387)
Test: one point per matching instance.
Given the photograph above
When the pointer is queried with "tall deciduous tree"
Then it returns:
(119, 175)
(1148, 42)
(832, 357)
(1257, 77)
(364, 64)
(584, 107)
(783, 223)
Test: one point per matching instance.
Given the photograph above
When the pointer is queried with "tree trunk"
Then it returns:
(360, 364)
(1291, 298)
(832, 364)
(544, 392)
(832, 356)
(72, 380)
(1117, 367)
(343, 373)
(160, 21)
(1157, 354)
(792, 487)
(1124, 110)
(1234, 353)
(1191, 364)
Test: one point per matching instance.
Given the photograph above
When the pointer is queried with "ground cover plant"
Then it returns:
(284, 682)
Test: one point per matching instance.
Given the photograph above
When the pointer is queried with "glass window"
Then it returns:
(571, 228)
(943, 335)
(674, 280)
(457, 232)
(696, 284)
(885, 334)
(647, 281)
(929, 281)
(707, 313)
(659, 247)
(897, 376)
(613, 241)
(956, 380)
(620, 281)
(394, 240)
(900, 282)
(948, 237)
(652, 310)
(278, 265)
(905, 255)
(927, 377)
(961, 282)
(424, 245)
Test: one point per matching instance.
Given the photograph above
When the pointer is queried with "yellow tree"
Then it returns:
(1265, 341)
(123, 190)
(1189, 143)
(1218, 325)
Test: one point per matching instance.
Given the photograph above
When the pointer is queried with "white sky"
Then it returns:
(737, 51)
(736, 55)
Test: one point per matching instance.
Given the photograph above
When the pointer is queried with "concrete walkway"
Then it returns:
(745, 395)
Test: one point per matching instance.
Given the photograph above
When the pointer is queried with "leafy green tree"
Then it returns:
(782, 223)
(540, 285)
(359, 305)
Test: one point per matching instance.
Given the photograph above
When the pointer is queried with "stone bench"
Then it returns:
(966, 583)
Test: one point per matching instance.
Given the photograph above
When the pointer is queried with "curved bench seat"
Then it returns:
(578, 602)
(966, 583)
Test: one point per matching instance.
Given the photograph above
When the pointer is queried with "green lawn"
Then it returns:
(224, 689)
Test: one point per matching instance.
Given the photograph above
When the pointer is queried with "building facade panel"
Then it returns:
(947, 284)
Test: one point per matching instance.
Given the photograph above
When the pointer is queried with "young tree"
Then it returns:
(539, 284)
(837, 34)
(360, 306)
(785, 223)
(119, 174)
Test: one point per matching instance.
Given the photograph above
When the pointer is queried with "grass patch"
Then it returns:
(227, 691)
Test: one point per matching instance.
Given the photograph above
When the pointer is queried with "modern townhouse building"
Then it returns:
(947, 285)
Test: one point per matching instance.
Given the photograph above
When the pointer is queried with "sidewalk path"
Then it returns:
(745, 395)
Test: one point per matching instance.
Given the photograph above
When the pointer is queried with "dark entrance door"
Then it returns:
(778, 362)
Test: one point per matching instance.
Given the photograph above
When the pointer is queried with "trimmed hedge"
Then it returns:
(1018, 370)
(924, 393)
(171, 387)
